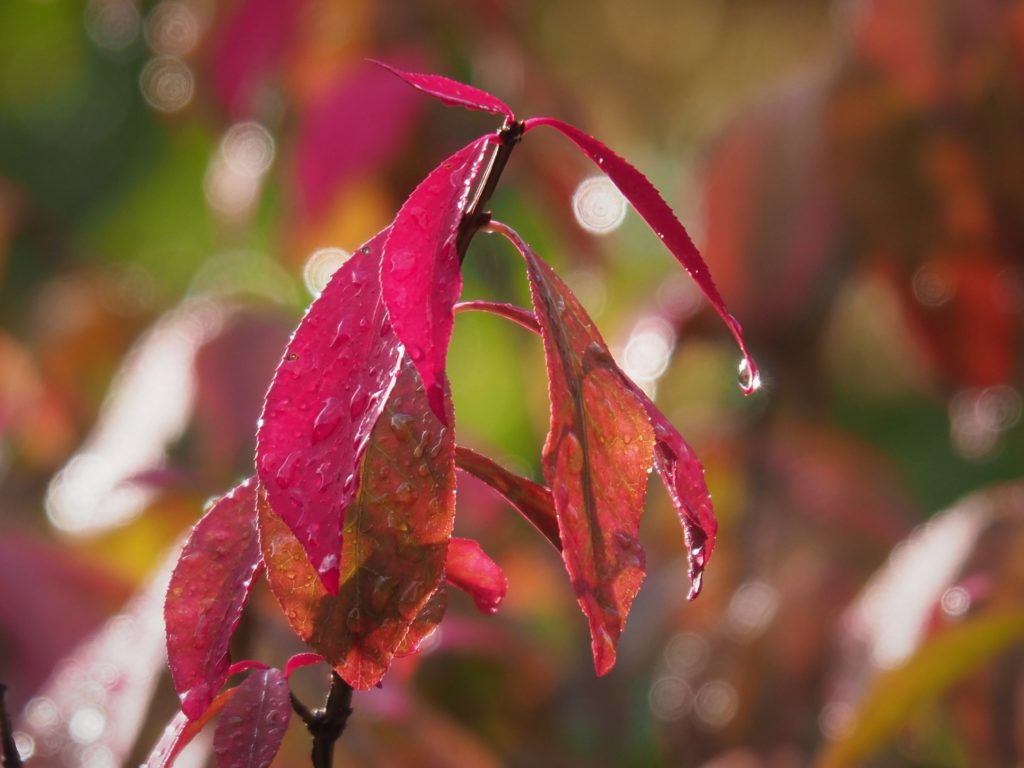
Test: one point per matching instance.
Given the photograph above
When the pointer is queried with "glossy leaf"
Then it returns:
(206, 595)
(253, 723)
(472, 570)
(655, 211)
(395, 543)
(531, 499)
(180, 732)
(452, 92)
(323, 402)
(420, 274)
(596, 458)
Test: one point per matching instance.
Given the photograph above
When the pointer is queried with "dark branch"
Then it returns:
(9, 756)
(327, 724)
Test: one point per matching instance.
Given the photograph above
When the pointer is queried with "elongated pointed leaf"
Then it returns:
(325, 398)
(655, 211)
(596, 458)
(532, 500)
(452, 92)
(180, 732)
(253, 722)
(395, 544)
(472, 570)
(206, 595)
(518, 315)
(420, 274)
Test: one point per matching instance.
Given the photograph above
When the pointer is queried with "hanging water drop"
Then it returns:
(749, 377)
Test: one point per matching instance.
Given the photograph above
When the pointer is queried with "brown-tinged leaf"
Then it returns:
(472, 570)
(596, 458)
(426, 621)
(206, 595)
(394, 547)
(253, 722)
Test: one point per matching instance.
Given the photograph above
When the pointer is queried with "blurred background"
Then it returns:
(179, 178)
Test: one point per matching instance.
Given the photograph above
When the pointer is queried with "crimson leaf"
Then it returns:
(472, 570)
(596, 458)
(452, 92)
(394, 548)
(420, 274)
(181, 730)
(327, 394)
(655, 211)
(253, 722)
(207, 592)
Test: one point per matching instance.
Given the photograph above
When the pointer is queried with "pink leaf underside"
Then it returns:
(596, 459)
(207, 593)
(252, 725)
(452, 92)
(394, 548)
(659, 216)
(420, 275)
(532, 500)
(180, 732)
(326, 396)
(472, 570)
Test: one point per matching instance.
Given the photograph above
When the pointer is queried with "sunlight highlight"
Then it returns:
(598, 205)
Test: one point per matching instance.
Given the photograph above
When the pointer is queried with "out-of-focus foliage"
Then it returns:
(175, 177)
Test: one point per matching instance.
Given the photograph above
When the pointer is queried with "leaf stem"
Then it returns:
(328, 723)
(477, 217)
(9, 755)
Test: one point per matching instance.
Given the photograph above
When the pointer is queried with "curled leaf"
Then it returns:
(253, 722)
(326, 396)
(596, 458)
(452, 92)
(420, 274)
(180, 732)
(518, 315)
(472, 570)
(655, 211)
(207, 592)
(394, 548)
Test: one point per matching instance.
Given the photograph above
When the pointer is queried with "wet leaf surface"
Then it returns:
(252, 725)
(395, 544)
(452, 92)
(206, 595)
(596, 459)
(472, 570)
(325, 398)
(420, 274)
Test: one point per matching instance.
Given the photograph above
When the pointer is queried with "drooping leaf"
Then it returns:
(180, 732)
(659, 216)
(426, 621)
(472, 570)
(300, 660)
(394, 549)
(206, 595)
(253, 722)
(517, 315)
(325, 398)
(420, 274)
(452, 92)
(596, 458)
(532, 500)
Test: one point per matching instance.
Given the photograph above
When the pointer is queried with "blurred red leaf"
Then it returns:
(180, 732)
(596, 458)
(394, 548)
(253, 723)
(206, 595)
(472, 570)
(420, 274)
(452, 92)
(325, 398)
(531, 499)
(655, 211)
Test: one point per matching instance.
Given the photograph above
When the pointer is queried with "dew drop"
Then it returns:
(286, 472)
(404, 493)
(381, 593)
(341, 336)
(749, 378)
(326, 422)
(573, 453)
(358, 403)
(415, 352)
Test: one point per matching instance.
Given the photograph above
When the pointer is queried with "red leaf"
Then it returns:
(323, 402)
(206, 595)
(180, 732)
(655, 211)
(300, 660)
(426, 622)
(471, 569)
(452, 92)
(420, 274)
(532, 500)
(394, 549)
(517, 315)
(596, 458)
(253, 723)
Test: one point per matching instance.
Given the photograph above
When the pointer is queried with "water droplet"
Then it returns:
(422, 470)
(354, 620)
(326, 422)
(415, 352)
(286, 472)
(358, 403)
(404, 493)
(409, 600)
(350, 482)
(749, 377)
(573, 453)
(402, 424)
(381, 593)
